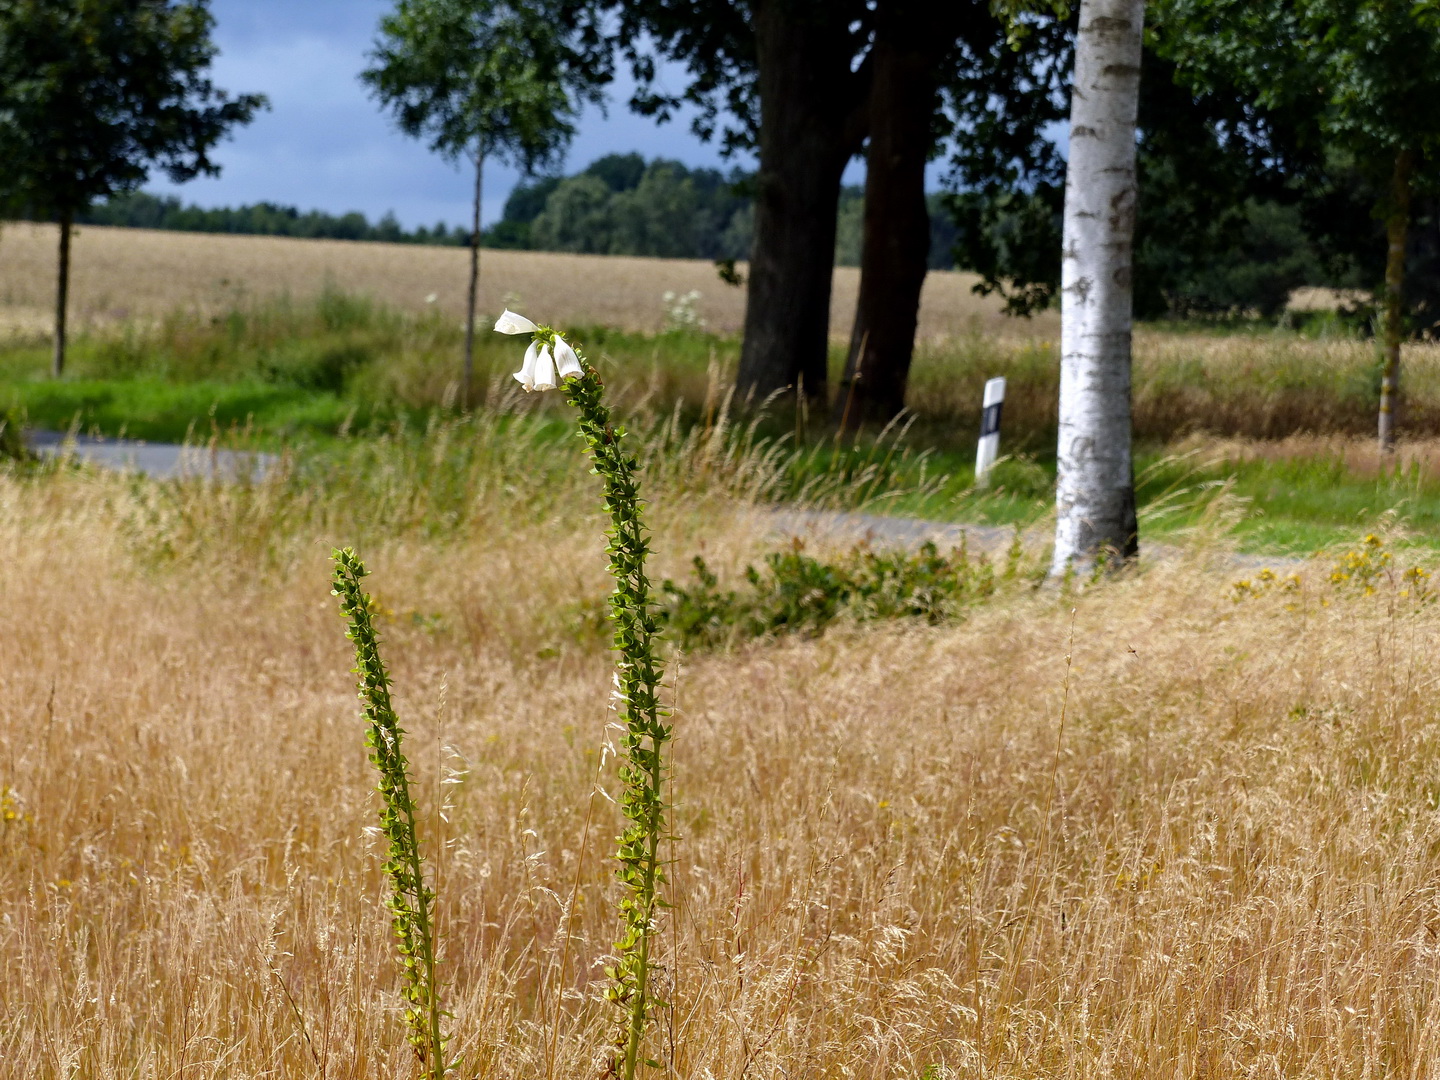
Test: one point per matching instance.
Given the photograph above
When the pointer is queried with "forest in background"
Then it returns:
(620, 204)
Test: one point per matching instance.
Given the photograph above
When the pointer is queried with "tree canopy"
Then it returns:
(96, 93)
(488, 77)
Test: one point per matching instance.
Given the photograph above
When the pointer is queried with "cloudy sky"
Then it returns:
(324, 144)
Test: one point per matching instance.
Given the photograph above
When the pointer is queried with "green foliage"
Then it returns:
(483, 77)
(797, 593)
(95, 93)
(411, 901)
(1270, 254)
(645, 733)
(622, 205)
(1363, 74)
(1356, 83)
(142, 210)
(1216, 233)
(12, 441)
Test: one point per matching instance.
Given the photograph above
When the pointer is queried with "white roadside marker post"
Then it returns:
(989, 447)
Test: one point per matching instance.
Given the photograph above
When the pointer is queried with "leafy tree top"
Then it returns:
(1362, 76)
(715, 41)
(95, 93)
(503, 77)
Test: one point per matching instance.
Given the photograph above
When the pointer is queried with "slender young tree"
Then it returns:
(1095, 491)
(96, 93)
(485, 79)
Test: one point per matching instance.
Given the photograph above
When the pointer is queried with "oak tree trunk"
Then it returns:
(1397, 232)
(62, 295)
(808, 104)
(1095, 490)
(896, 240)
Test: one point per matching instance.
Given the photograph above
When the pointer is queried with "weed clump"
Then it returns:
(793, 592)
(12, 440)
(1363, 570)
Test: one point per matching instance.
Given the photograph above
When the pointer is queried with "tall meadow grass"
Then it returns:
(880, 867)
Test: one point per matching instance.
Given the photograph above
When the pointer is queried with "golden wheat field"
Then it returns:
(1144, 830)
(121, 274)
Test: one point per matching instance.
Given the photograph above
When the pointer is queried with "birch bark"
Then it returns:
(1095, 490)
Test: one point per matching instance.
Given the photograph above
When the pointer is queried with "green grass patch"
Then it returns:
(285, 373)
(159, 411)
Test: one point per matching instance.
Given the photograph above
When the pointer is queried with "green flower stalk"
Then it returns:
(411, 902)
(550, 361)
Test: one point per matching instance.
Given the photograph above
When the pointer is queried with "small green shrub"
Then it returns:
(12, 439)
(796, 593)
(325, 365)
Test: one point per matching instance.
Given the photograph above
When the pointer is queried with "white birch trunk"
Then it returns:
(1095, 492)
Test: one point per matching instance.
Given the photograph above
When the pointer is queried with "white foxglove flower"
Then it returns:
(510, 323)
(546, 362)
(526, 375)
(542, 375)
(566, 360)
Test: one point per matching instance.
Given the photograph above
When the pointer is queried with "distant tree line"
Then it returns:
(142, 210)
(624, 205)
(619, 205)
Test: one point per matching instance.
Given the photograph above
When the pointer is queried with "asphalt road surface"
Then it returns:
(164, 461)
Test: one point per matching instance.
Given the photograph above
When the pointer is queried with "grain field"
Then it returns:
(121, 274)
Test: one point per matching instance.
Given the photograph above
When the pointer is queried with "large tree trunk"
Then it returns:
(1095, 491)
(468, 375)
(808, 131)
(62, 295)
(1397, 231)
(896, 247)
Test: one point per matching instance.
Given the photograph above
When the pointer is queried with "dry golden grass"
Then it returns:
(124, 273)
(1359, 456)
(882, 866)
(1257, 385)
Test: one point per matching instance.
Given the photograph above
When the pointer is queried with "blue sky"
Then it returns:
(325, 145)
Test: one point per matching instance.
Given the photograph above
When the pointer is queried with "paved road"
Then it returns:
(163, 461)
(880, 531)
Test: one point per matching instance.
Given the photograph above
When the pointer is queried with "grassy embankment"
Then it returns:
(1276, 419)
